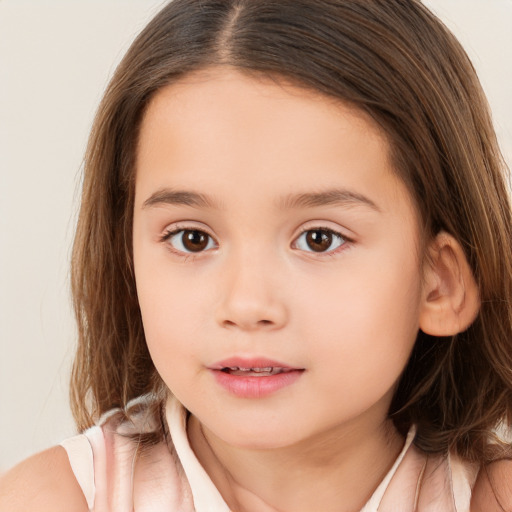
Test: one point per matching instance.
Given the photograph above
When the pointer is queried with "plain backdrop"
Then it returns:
(55, 60)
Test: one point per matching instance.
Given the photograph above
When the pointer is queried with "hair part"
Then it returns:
(395, 61)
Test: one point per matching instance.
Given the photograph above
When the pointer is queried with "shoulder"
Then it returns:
(45, 482)
(493, 488)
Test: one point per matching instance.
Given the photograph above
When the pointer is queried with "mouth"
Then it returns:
(256, 371)
(253, 366)
(254, 377)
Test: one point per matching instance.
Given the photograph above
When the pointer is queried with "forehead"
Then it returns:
(226, 131)
(235, 96)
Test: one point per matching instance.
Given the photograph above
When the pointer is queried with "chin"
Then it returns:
(256, 436)
(258, 443)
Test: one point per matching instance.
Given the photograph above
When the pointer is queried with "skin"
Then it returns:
(44, 482)
(349, 319)
(347, 316)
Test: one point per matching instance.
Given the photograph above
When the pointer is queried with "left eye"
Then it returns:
(190, 240)
(319, 240)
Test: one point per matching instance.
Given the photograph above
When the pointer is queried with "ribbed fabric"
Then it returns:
(169, 478)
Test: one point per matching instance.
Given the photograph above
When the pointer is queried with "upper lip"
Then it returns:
(251, 362)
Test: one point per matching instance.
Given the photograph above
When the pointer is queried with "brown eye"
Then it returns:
(319, 240)
(190, 240)
(194, 241)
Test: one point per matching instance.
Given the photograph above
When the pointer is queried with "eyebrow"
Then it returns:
(334, 197)
(331, 197)
(180, 197)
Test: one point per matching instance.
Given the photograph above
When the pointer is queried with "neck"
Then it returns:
(336, 472)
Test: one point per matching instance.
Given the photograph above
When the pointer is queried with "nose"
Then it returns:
(251, 295)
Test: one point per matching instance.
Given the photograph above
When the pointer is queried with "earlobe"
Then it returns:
(450, 296)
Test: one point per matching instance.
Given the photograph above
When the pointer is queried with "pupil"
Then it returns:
(195, 240)
(319, 240)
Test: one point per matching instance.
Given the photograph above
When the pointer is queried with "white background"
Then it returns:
(55, 60)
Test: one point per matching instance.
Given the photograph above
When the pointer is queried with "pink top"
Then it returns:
(169, 478)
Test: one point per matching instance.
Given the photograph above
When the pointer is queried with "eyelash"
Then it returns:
(168, 234)
(331, 253)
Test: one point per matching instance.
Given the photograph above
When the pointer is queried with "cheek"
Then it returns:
(171, 331)
(169, 311)
(369, 314)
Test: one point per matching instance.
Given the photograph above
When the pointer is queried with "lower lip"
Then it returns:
(255, 387)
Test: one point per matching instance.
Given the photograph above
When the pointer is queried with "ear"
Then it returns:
(450, 296)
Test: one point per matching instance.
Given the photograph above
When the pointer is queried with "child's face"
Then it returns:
(336, 306)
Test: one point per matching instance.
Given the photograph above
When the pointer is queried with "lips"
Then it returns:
(254, 377)
(255, 372)
(259, 365)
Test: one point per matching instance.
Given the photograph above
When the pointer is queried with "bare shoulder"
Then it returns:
(493, 488)
(44, 482)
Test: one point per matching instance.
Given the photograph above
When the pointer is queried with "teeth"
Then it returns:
(265, 370)
(256, 370)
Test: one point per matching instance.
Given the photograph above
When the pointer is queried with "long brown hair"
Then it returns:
(394, 60)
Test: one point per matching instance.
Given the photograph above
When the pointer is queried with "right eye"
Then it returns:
(320, 240)
(189, 240)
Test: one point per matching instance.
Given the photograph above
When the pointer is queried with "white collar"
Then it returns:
(206, 496)
(373, 503)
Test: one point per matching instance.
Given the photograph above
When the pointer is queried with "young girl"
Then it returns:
(292, 272)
